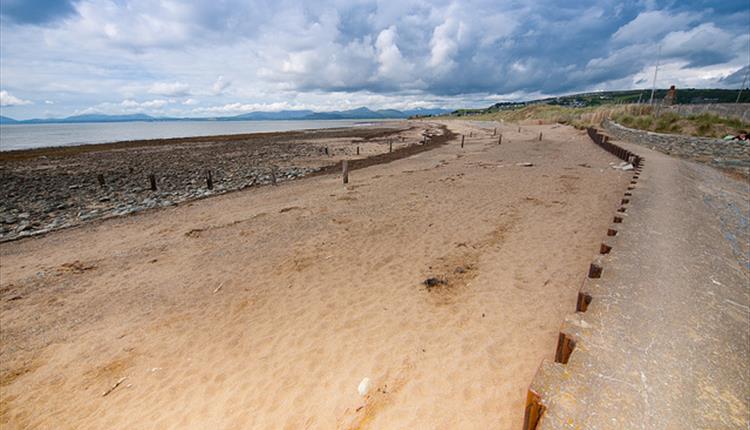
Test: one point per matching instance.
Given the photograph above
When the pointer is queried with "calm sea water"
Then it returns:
(25, 136)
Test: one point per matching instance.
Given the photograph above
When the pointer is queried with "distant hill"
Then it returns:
(109, 118)
(359, 113)
(425, 112)
(600, 98)
(6, 120)
(90, 118)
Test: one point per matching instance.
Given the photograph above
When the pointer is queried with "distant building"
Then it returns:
(671, 96)
(703, 100)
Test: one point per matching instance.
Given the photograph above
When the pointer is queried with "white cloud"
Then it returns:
(173, 89)
(392, 64)
(444, 46)
(705, 37)
(8, 99)
(220, 85)
(652, 24)
(238, 108)
(150, 104)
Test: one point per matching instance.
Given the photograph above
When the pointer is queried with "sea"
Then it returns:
(27, 136)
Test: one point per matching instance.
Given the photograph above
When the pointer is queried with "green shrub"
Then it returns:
(705, 129)
(644, 122)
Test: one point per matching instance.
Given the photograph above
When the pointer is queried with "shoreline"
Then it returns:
(69, 186)
(18, 137)
(80, 148)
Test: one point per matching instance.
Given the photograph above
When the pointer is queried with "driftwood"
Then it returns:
(117, 384)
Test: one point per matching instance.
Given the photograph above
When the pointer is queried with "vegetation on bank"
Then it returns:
(576, 116)
(704, 125)
(641, 117)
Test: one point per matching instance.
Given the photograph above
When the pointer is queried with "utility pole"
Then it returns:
(744, 81)
(656, 72)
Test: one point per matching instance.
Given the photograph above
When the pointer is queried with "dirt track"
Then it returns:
(265, 308)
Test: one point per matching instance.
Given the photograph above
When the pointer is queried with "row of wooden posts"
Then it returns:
(494, 133)
(390, 148)
(210, 180)
(154, 187)
(344, 164)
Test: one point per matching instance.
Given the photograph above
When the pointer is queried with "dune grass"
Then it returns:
(641, 117)
(703, 125)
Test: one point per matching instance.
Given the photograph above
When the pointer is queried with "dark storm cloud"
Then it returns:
(36, 11)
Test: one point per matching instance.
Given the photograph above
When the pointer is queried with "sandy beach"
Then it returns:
(265, 308)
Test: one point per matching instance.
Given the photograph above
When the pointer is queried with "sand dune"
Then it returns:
(266, 308)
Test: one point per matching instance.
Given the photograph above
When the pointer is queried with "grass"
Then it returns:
(577, 116)
(702, 125)
(636, 116)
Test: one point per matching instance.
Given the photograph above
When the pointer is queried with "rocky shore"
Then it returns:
(47, 189)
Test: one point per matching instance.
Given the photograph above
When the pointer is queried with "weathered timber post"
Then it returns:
(462, 140)
(345, 170)
(494, 131)
(358, 150)
(273, 175)
(540, 136)
(500, 139)
(100, 178)
(390, 146)
(209, 180)
(152, 180)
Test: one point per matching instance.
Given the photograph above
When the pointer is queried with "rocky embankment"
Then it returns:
(728, 155)
(43, 190)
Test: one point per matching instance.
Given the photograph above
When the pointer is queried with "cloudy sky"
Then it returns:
(224, 57)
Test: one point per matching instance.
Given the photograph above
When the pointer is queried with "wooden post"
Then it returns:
(540, 136)
(152, 180)
(533, 412)
(500, 139)
(462, 140)
(519, 128)
(209, 180)
(273, 175)
(100, 178)
(471, 134)
(326, 150)
(345, 170)
(358, 150)
(390, 146)
(494, 131)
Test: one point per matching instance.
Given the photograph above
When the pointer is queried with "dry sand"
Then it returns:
(265, 308)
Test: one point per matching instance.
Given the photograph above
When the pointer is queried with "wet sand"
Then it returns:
(266, 307)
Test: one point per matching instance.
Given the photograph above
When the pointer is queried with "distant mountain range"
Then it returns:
(359, 113)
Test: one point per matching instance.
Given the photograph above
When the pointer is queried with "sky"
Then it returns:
(227, 57)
